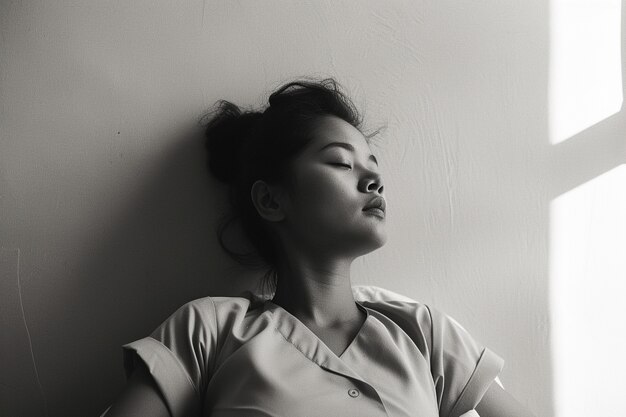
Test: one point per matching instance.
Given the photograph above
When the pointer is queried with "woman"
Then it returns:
(310, 198)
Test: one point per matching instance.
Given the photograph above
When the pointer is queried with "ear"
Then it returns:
(268, 201)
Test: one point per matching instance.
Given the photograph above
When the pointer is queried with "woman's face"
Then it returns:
(333, 185)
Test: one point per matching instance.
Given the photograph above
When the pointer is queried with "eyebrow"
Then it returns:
(348, 147)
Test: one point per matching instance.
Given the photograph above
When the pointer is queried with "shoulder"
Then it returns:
(374, 293)
(421, 321)
(403, 309)
(412, 316)
(215, 302)
(210, 313)
(388, 301)
(461, 366)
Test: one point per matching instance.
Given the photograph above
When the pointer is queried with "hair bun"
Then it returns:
(225, 134)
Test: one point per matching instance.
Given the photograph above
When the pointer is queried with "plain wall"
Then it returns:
(107, 211)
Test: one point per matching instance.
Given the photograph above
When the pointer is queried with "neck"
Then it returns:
(318, 297)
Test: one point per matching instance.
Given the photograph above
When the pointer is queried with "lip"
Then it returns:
(377, 202)
(376, 212)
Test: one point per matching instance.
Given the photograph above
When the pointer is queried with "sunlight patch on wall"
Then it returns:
(588, 296)
(585, 84)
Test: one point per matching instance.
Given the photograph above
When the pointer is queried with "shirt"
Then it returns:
(248, 357)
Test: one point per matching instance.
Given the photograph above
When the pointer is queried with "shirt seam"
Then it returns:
(432, 335)
(217, 339)
(179, 362)
(430, 354)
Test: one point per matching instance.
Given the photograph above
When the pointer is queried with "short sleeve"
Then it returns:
(179, 356)
(462, 368)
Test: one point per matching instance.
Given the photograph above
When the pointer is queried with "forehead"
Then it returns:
(331, 129)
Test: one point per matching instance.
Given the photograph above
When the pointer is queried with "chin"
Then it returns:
(382, 241)
(374, 241)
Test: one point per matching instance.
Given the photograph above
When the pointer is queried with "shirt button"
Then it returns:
(353, 392)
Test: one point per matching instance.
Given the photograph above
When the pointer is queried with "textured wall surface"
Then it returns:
(107, 212)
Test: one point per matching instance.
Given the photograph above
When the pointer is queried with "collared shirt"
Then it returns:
(248, 357)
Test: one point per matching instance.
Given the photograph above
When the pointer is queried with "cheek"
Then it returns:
(330, 194)
(332, 211)
(326, 197)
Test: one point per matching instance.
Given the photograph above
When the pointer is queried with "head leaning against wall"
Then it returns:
(274, 154)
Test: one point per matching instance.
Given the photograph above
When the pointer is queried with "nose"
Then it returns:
(372, 182)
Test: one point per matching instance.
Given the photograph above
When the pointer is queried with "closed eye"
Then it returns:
(343, 165)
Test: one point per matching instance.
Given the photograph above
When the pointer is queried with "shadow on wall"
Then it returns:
(136, 270)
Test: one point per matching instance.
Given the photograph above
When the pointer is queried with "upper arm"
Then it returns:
(140, 397)
(462, 368)
(499, 403)
(179, 356)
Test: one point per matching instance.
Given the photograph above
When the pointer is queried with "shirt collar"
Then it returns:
(307, 342)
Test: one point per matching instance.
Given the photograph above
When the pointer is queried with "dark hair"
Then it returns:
(247, 145)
